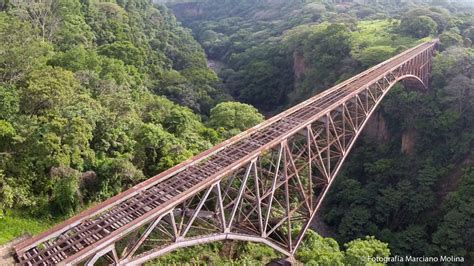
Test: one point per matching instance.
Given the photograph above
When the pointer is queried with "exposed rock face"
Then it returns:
(298, 65)
(451, 181)
(62, 172)
(187, 10)
(408, 141)
(89, 178)
(376, 128)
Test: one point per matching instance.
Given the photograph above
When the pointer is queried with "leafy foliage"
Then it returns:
(79, 118)
(231, 118)
(448, 39)
(273, 54)
(394, 195)
(314, 250)
(419, 26)
(454, 232)
(373, 55)
(358, 250)
(319, 250)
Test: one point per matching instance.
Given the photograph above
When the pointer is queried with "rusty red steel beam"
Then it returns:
(330, 98)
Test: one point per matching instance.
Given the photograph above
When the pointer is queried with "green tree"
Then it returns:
(418, 26)
(158, 150)
(114, 176)
(6, 195)
(48, 89)
(13, 194)
(200, 76)
(317, 250)
(375, 54)
(450, 38)
(460, 94)
(73, 30)
(265, 76)
(124, 51)
(232, 118)
(469, 33)
(77, 58)
(326, 50)
(65, 199)
(326, 47)
(9, 102)
(72, 96)
(7, 132)
(43, 15)
(359, 250)
(21, 51)
(451, 74)
(108, 22)
(123, 75)
(457, 226)
(439, 15)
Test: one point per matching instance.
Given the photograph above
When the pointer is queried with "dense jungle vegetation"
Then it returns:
(97, 96)
(409, 180)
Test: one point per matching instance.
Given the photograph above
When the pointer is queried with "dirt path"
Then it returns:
(6, 251)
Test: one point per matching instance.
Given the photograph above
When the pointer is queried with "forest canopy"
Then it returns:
(410, 164)
(97, 96)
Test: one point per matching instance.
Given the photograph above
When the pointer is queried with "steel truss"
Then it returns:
(265, 185)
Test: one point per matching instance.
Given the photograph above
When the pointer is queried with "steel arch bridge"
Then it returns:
(264, 185)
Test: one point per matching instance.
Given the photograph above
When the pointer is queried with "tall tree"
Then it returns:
(43, 14)
(232, 118)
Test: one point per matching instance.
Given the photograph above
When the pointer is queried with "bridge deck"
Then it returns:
(103, 224)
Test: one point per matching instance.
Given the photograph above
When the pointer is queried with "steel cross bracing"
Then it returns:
(264, 185)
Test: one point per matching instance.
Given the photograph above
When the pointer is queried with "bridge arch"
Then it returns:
(414, 81)
(264, 185)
